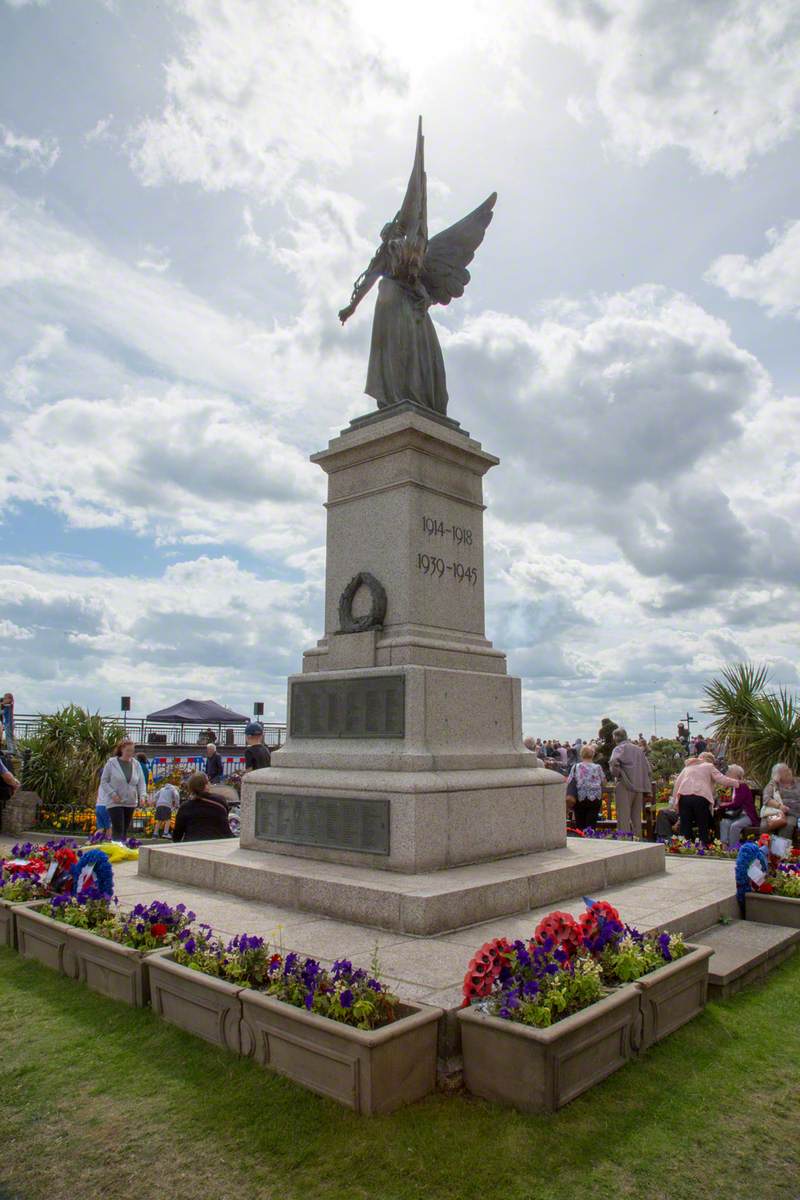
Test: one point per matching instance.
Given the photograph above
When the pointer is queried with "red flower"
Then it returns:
(562, 928)
(595, 914)
(65, 858)
(766, 887)
(158, 930)
(484, 967)
(575, 832)
(276, 958)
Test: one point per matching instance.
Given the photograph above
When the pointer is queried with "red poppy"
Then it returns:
(158, 930)
(276, 958)
(595, 914)
(65, 858)
(484, 967)
(766, 887)
(562, 928)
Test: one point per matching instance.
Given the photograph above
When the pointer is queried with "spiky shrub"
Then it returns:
(759, 727)
(67, 754)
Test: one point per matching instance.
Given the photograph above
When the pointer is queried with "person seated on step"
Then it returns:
(737, 813)
(780, 802)
(201, 817)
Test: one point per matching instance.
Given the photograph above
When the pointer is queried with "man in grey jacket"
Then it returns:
(629, 766)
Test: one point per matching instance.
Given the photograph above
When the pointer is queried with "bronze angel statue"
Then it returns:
(405, 358)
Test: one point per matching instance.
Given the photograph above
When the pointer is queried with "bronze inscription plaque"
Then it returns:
(369, 706)
(330, 821)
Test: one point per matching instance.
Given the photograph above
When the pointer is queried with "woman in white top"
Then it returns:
(588, 779)
(122, 787)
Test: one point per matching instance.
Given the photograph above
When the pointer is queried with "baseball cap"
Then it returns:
(253, 728)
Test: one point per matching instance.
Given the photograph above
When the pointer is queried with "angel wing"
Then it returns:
(444, 272)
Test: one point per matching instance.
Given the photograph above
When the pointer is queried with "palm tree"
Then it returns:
(67, 754)
(758, 727)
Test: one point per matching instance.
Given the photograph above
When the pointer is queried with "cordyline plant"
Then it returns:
(343, 993)
(759, 727)
(567, 965)
(67, 754)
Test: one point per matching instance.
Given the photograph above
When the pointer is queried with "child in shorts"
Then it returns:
(102, 821)
(168, 799)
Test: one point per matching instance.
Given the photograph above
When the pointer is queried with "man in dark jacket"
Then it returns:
(256, 754)
(214, 768)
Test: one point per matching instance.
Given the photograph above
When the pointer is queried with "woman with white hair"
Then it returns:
(214, 768)
(693, 792)
(738, 812)
(783, 793)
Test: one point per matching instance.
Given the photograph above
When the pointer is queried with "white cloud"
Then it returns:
(720, 79)
(154, 259)
(21, 152)
(250, 238)
(258, 92)
(99, 131)
(773, 280)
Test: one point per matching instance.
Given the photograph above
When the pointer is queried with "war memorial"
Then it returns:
(403, 798)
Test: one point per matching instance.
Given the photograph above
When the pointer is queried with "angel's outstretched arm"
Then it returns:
(363, 284)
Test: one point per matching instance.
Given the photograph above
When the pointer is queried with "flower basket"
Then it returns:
(370, 1071)
(116, 971)
(773, 910)
(541, 1070)
(202, 1005)
(673, 994)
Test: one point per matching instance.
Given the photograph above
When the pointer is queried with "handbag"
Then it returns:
(572, 788)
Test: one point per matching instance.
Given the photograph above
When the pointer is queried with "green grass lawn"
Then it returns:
(97, 1099)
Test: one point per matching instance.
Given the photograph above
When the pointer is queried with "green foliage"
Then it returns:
(758, 727)
(605, 742)
(786, 883)
(67, 755)
(563, 994)
(667, 757)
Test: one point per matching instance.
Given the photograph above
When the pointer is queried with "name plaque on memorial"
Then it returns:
(369, 706)
(329, 821)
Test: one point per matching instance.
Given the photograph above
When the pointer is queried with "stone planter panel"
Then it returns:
(674, 994)
(773, 910)
(206, 1007)
(8, 933)
(540, 1070)
(44, 940)
(371, 1072)
(118, 972)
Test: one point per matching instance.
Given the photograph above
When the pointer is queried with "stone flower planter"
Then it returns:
(8, 920)
(118, 972)
(673, 994)
(772, 910)
(44, 940)
(540, 1070)
(207, 1007)
(371, 1071)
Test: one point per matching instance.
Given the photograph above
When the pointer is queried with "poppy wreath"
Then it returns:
(92, 870)
(563, 929)
(484, 967)
(596, 915)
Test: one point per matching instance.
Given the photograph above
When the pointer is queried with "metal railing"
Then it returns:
(151, 736)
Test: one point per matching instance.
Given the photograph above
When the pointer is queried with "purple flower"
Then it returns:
(308, 1000)
(190, 945)
(663, 945)
(346, 998)
(373, 983)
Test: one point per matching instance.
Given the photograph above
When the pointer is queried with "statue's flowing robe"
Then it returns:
(405, 358)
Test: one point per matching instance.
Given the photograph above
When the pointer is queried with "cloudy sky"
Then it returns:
(188, 189)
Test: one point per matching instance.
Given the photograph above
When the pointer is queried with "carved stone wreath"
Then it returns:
(371, 620)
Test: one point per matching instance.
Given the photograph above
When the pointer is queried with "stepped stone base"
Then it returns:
(420, 905)
(745, 952)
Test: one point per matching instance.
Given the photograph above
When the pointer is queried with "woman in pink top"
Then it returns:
(694, 795)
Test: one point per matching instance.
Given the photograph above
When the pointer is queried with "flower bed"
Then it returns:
(550, 1017)
(687, 848)
(86, 938)
(23, 879)
(610, 835)
(338, 1031)
(776, 899)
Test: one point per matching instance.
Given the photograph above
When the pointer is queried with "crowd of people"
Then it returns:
(694, 803)
(201, 816)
